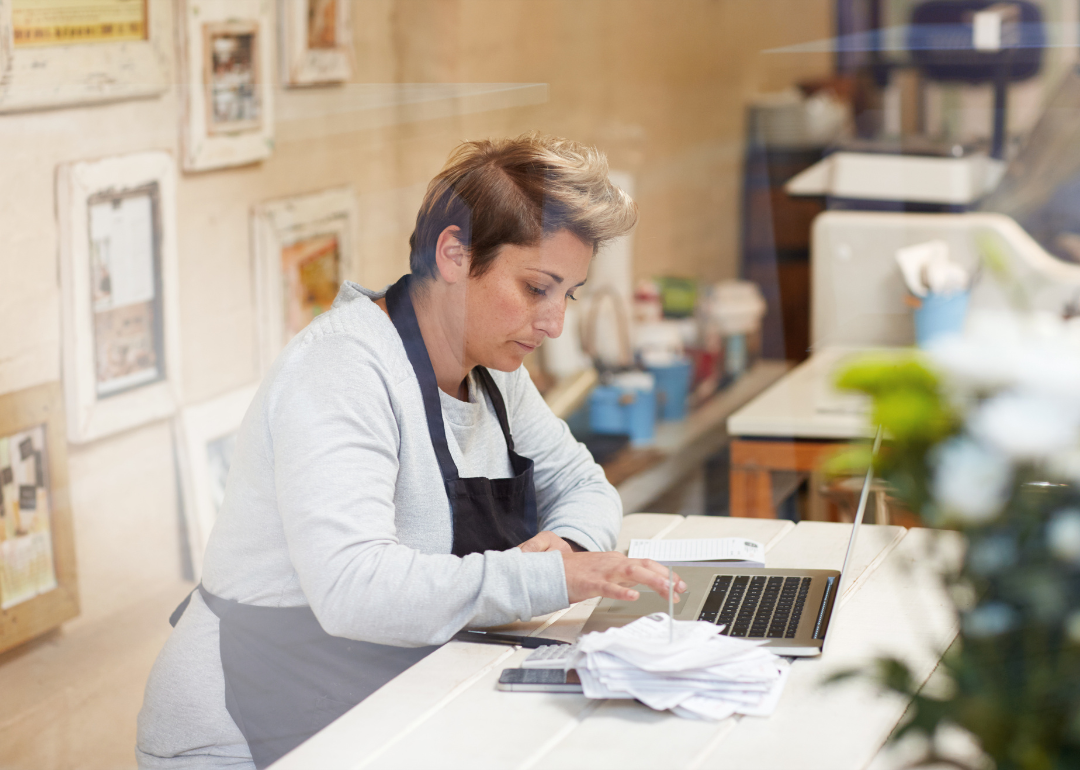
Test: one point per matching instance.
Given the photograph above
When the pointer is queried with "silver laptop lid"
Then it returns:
(845, 577)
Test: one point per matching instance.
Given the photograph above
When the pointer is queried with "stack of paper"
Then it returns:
(699, 674)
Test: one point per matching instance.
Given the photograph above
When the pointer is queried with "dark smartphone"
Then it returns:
(539, 680)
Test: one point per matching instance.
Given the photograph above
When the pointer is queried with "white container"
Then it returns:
(735, 307)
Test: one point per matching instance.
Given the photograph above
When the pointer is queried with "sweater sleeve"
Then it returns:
(336, 441)
(574, 498)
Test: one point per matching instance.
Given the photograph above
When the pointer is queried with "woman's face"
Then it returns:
(520, 301)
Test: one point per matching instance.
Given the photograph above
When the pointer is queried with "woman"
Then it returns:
(338, 558)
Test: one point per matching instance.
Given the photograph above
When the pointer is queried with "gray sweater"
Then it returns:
(335, 500)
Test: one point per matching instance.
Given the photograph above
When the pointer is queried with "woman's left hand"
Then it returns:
(546, 541)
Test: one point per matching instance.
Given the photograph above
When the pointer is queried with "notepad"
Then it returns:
(701, 552)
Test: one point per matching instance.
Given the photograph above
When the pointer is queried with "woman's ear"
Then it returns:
(451, 256)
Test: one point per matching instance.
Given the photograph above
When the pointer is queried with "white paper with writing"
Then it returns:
(735, 549)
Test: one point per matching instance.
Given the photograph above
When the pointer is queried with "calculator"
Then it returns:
(551, 656)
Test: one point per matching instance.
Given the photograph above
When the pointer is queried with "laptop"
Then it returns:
(790, 609)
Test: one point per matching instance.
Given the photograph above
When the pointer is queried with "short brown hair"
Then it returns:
(518, 191)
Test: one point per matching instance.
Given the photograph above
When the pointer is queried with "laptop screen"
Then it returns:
(845, 578)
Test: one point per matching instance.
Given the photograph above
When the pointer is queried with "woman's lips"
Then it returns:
(527, 347)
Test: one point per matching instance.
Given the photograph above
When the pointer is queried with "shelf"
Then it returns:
(305, 114)
(683, 446)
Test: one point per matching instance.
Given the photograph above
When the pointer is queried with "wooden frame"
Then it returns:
(283, 226)
(33, 415)
(38, 77)
(316, 42)
(121, 324)
(204, 435)
(226, 55)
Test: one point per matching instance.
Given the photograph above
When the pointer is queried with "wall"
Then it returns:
(660, 86)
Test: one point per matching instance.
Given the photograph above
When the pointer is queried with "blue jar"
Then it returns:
(672, 388)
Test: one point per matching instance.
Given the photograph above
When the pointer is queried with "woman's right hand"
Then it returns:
(611, 575)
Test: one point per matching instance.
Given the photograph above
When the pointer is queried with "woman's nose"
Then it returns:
(551, 318)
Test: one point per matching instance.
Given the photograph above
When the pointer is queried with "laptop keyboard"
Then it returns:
(756, 606)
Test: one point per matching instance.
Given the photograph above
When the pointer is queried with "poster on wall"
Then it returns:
(118, 280)
(226, 54)
(311, 277)
(57, 52)
(230, 71)
(304, 248)
(26, 552)
(205, 443)
(60, 22)
(316, 38)
(37, 554)
(124, 275)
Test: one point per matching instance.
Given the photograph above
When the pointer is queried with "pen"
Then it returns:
(493, 637)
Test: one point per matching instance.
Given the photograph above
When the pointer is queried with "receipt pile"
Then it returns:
(700, 674)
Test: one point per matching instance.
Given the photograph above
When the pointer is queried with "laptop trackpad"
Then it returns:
(646, 604)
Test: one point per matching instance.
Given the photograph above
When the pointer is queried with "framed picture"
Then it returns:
(316, 42)
(205, 441)
(118, 278)
(38, 589)
(304, 248)
(61, 52)
(226, 59)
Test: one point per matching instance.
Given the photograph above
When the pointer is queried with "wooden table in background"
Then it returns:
(794, 426)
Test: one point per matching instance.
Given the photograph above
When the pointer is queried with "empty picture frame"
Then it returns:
(118, 280)
(226, 59)
(304, 248)
(205, 440)
(59, 52)
(38, 587)
(316, 41)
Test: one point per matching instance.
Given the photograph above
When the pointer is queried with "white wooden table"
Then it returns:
(446, 713)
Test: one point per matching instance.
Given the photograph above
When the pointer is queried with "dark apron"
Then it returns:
(285, 677)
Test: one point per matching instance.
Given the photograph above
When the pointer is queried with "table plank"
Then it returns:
(396, 709)
(901, 609)
(829, 544)
(646, 738)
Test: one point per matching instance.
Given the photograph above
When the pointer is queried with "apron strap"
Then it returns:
(217, 605)
(179, 611)
(400, 307)
(497, 402)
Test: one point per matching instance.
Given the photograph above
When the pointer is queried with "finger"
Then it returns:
(658, 583)
(616, 591)
(660, 569)
(533, 545)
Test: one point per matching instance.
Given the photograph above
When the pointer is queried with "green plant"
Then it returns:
(983, 436)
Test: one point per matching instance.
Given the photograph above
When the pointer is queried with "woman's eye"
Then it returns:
(536, 290)
(571, 296)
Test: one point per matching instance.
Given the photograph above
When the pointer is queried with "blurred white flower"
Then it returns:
(1063, 535)
(989, 620)
(970, 480)
(1027, 426)
(1036, 352)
